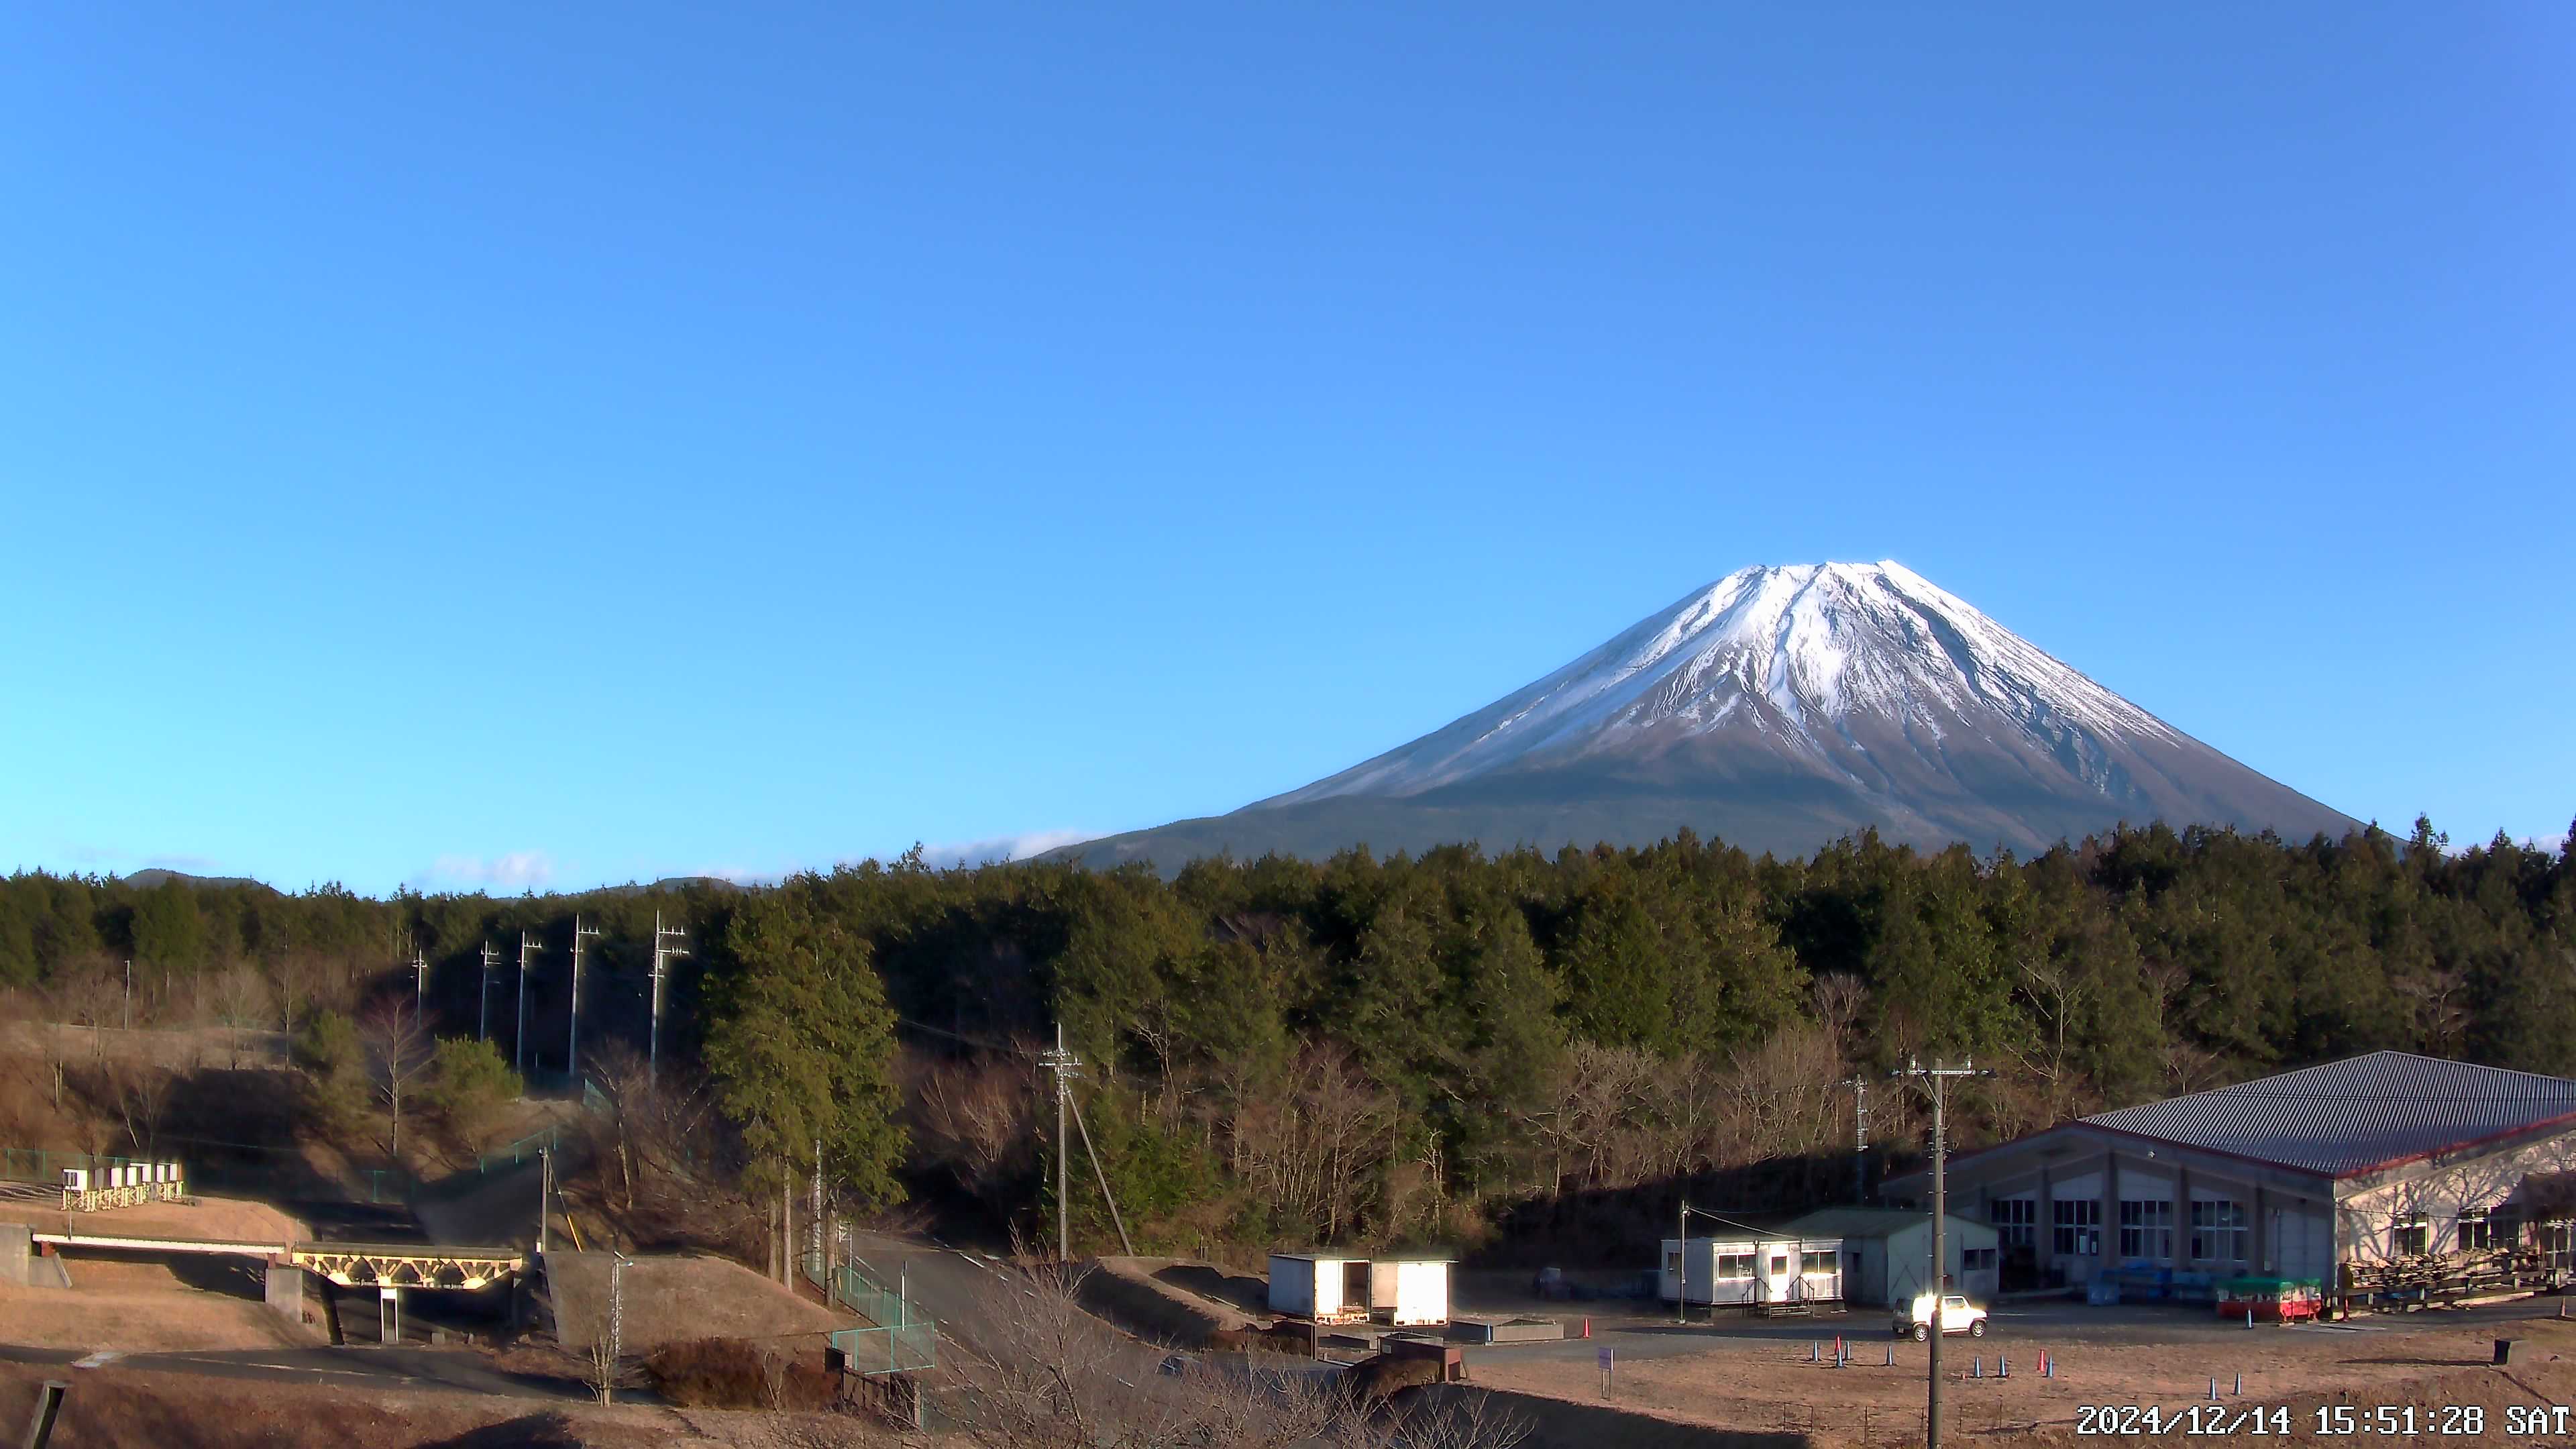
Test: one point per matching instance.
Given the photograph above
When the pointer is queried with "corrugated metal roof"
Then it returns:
(1861, 1222)
(2353, 1115)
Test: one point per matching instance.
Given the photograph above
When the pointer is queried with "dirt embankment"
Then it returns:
(218, 1219)
(673, 1299)
(1156, 1299)
(114, 1408)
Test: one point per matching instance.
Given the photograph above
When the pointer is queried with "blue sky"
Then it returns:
(537, 445)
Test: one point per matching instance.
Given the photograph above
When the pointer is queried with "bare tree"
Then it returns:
(141, 1091)
(399, 1050)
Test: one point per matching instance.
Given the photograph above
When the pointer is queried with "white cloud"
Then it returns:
(2550, 843)
(1003, 847)
(520, 870)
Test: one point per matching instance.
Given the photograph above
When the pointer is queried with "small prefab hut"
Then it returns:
(1323, 1287)
(1408, 1292)
(1752, 1272)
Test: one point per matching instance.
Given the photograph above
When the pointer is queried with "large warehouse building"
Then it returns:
(2381, 1157)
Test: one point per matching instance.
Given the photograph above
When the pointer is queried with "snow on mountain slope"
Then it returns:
(1793, 653)
(1775, 709)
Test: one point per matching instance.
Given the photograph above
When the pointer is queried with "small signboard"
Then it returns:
(1605, 1373)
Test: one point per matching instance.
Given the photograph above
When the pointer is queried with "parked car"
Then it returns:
(1958, 1315)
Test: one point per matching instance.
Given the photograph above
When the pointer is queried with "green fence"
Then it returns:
(904, 1339)
(523, 1150)
(37, 1164)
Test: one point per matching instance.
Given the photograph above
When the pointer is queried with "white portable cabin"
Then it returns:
(1324, 1287)
(1410, 1292)
(1751, 1272)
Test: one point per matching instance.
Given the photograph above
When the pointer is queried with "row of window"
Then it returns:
(2219, 1230)
(1742, 1265)
(2413, 1233)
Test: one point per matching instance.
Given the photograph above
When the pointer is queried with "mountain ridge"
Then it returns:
(1776, 709)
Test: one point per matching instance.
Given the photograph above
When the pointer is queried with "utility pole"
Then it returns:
(572, 1038)
(545, 1190)
(129, 993)
(1860, 1137)
(661, 953)
(1936, 1081)
(483, 1017)
(420, 985)
(1066, 1067)
(616, 1326)
(519, 1042)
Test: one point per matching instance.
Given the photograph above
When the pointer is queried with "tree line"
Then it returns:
(1363, 1049)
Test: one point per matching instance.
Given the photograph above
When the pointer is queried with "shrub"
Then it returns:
(469, 1084)
(732, 1373)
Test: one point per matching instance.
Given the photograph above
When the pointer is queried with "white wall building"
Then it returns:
(2377, 1156)
(1887, 1252)
(1751, 1271)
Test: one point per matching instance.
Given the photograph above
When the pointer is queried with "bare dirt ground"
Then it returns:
(223, 1219)
(1766, 1384)
(114, 1408)
(140, 1308)
(672, 1299)
(1151, 1297)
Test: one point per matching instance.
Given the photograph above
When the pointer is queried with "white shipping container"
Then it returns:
(1412, 1292)
(1310, 1285)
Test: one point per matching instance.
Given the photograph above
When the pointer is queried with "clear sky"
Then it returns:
(544, 444)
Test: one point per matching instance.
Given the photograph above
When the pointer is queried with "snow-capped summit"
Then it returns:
(1795, 654)
(1776, 709)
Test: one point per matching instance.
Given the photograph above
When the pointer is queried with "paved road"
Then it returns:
(414, 1368)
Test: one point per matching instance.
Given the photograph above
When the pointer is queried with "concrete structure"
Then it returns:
(2378, 1157)
(1328, 1288)
(286, 1292)
(17, 1245)
(1752, 1271)
(1887, 1252)
(1409, 1292)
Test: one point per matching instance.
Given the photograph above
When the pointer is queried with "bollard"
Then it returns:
(1976, 1366)
(2003, 1367)
(1891, 1355)
(2213, 1389)
(2240, 1386)
(1812, 1355)
(2249, 1318)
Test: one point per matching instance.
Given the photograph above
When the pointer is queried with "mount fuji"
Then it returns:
(1776, 709)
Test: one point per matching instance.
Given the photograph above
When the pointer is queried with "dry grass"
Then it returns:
(1766, 1384)
(115, 1408)
(117, 1306)
(230, 1220)
(674, 1299)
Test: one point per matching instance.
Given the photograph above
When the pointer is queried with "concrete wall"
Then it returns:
(286, 1291)
(17, 1245)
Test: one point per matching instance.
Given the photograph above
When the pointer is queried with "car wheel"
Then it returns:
(1977, 1329)
(1921, 1333)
